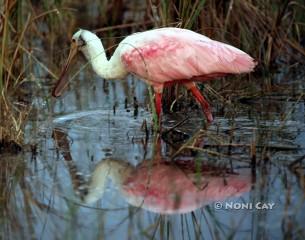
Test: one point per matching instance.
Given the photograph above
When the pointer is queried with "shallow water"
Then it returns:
(151, 191)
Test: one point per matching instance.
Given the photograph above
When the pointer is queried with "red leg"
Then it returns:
(203, 102)
(158, 104)
(158, 101)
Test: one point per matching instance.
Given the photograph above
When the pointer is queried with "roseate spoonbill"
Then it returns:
(161, 57)
(166, 187)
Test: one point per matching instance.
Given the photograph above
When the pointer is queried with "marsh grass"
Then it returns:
(271, 31)
(12, 36)
(19, 62)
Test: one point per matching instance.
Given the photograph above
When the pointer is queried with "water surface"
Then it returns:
(93, 171)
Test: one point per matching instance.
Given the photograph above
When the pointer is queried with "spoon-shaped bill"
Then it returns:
(62, 82)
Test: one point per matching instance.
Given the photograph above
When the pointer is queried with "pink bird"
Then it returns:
(167, 187)
(161, 57)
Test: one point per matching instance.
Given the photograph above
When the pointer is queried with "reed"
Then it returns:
(267, 30)
(12, 35)
(20, 26)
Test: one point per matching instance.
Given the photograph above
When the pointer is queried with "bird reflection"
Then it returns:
(159, 185)
(168, 187)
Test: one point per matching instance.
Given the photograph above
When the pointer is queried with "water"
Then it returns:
(95, 174)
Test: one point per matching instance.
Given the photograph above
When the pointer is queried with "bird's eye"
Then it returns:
(81, 41)
(73, 40)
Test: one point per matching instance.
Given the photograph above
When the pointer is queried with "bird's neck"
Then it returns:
(117, 171)
(108, 69)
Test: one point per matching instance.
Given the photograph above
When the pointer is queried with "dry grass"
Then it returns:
(20, 23)
(12, 36)
(271, 31)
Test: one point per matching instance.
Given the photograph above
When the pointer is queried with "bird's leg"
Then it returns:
(158, 90)
(158, 101)
(200, 98)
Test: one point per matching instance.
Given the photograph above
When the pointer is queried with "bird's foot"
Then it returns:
(208, 115)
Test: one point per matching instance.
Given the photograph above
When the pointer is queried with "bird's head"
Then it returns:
(81, 41)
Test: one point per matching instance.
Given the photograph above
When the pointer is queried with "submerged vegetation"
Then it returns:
(271, 31)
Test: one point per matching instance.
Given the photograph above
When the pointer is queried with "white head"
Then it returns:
(116, 170)
(86, 41)
(82, 41)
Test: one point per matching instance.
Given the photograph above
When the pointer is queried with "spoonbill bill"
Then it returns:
(161, 57)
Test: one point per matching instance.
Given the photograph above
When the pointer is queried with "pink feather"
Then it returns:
(170, 54)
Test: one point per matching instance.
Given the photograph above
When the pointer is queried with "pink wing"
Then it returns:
(170, 55)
